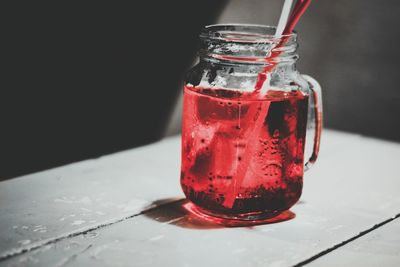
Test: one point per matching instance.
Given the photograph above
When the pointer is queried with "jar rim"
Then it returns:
(243, 33)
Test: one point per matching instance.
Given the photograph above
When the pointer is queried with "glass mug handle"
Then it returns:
(315, 110)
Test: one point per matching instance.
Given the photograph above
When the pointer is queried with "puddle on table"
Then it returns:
(181, 213)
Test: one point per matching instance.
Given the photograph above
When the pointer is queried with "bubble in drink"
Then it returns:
(218, 129)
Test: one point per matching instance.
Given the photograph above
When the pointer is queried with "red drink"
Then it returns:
(231, 168)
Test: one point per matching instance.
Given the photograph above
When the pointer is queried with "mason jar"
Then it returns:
(245, 117)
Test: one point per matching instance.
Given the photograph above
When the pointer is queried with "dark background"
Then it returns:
(83, 80)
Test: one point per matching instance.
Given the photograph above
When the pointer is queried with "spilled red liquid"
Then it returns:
(218, 132)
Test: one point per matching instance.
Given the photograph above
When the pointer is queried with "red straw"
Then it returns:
(262, 111)
(298, 11)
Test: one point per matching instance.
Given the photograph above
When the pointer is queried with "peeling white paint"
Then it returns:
(78, 222)
(24, 242)
(156, 238)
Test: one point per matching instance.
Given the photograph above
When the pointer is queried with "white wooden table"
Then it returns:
(125, 210)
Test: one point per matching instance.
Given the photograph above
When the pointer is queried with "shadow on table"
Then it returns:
(181, 213)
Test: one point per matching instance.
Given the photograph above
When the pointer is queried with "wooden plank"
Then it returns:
(38, 208)
(379, 248)
(353, 187)
(173, 238)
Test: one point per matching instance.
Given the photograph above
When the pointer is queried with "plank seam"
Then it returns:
(41, 243)
(341, 244)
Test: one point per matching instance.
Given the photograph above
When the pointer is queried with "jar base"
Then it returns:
(248, 219)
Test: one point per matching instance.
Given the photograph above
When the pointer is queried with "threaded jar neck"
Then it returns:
(247, 44)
